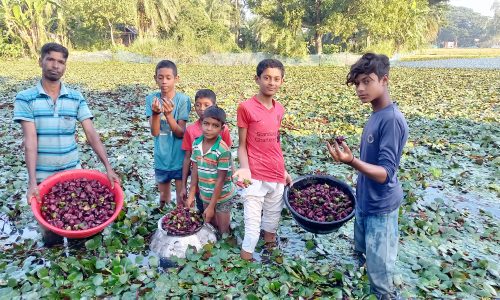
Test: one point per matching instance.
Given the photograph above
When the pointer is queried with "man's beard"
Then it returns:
(52, 77)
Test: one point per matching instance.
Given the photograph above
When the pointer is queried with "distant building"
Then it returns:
(450, 45)
(127, 34)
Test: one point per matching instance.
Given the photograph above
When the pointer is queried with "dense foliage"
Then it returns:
(449, 171)
(188, 28)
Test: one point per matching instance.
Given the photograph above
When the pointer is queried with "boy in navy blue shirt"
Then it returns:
(378, 191)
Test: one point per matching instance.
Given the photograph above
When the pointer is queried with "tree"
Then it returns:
(156, 16)
(296, 15)
(203, 28)
(33, 22)
(464, 26)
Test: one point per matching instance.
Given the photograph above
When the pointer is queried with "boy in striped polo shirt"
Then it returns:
(211, 171)
(48, 113)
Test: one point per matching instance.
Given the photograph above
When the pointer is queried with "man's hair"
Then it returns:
(367, 64)
(49, 47)
(270, 63)
(166, 64)
(215, 112)
(206, 93)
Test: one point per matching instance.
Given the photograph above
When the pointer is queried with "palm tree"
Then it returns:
(155, 16)
(34, 22)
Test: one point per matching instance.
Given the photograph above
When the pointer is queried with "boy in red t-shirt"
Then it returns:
(261, 159)
(203, 99)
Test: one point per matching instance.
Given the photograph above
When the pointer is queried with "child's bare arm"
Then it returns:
(209, 212)
(185, 171)
(154, 120)
(243, 173)
(194, 184)
(242, 149)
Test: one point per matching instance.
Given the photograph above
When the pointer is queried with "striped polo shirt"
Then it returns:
(217, 158)
(55, 124)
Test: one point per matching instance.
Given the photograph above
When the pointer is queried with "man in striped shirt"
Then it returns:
(48, 113)
(211, 171)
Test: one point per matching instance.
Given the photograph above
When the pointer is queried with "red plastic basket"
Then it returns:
(51, 181)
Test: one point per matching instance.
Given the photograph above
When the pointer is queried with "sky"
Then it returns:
(480, 6)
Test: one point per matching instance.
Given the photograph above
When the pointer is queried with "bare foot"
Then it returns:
(246, 255)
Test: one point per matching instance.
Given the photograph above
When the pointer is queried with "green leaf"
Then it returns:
(75, 277)
(100, 264)
(136, 242)
(123, 278)
(154, 262)
(94, 243)
(252, 297)
(43, 272)
(99, 291)
(97, 280)
(310, 244)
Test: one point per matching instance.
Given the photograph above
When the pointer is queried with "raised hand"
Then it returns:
(344, 156)
(156, 107)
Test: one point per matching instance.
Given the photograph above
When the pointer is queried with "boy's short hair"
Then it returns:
(367, 64)
(270, 63)
(166, 64)
(49, 47)
(206, 93)
(215, 112)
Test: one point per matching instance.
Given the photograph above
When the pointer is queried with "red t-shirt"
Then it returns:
(263, 139)
(194, 131)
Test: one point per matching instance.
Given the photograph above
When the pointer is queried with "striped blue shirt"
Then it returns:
(55, 126)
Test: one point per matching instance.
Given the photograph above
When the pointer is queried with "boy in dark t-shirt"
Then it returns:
(378, 191)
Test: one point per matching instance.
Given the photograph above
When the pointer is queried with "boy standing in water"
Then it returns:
(204, 99)
(167, 112)
(378, 191)
(261, 159)
(212, 171)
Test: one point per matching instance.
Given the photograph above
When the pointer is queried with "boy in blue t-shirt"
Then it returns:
(167, 112)
(378, 191)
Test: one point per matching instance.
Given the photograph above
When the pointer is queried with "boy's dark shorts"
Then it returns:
(163, 176)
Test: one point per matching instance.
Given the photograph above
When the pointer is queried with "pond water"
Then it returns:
(468, 63)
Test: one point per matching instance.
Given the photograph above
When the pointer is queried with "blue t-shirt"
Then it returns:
(167, 150)
(382, 143)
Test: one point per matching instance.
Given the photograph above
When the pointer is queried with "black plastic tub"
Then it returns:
(314, 226)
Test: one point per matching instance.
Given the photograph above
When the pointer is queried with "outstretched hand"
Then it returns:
(243, 177)
(343, 155)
